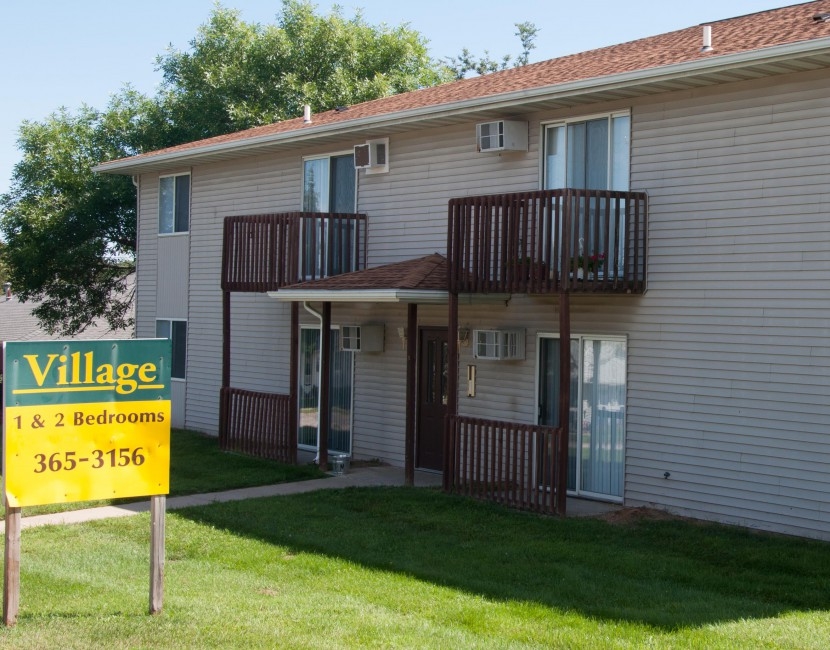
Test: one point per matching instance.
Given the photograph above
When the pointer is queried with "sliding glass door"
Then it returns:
(596, 447)
(340, 392)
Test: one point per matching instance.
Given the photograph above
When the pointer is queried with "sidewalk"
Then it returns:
(355, 477)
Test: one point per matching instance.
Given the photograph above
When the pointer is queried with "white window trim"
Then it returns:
(544, 125)
(179, 233)
(584, 337)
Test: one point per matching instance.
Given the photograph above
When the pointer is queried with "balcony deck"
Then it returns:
(268, 251)
(578, 241)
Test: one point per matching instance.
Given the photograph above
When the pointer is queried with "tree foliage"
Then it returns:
(71, 234)
(467, 62)
(237, 75)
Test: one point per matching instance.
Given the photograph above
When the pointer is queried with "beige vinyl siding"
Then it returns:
(407, 207)
(731, 393)
(147, 259)
(251, 186)
(173, 263)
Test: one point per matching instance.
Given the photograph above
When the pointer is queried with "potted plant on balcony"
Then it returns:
(590, 263)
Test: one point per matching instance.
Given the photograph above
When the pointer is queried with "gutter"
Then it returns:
(584, 86)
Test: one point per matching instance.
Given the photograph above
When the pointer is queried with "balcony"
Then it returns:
(577, 241)
(266, 252)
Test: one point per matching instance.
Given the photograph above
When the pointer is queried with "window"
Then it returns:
(596, 446)
(329, 185)
(176, 331)
(174, 204)
(341, 371)
(591, 154)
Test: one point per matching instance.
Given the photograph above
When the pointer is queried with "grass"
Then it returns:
(197, 466)
(407, 568)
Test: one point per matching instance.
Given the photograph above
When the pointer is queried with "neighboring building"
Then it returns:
(662, 205)
(18, 324)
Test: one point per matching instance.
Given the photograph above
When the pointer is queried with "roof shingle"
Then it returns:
(765, 29)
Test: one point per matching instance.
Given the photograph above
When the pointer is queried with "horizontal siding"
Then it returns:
(147, 258)
(173, 262)
(731, 394)
(251, 186)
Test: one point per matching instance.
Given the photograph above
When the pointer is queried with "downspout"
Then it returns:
(137, 184)
(319, 317)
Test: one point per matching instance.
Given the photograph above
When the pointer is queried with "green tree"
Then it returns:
(237, 75)
(467, 62)
(70, 233)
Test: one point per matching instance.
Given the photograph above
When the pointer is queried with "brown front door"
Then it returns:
(432, 398)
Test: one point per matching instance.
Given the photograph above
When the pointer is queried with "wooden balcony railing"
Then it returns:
(257, 424)
(548, 241)
(509, 463)
(265, 252)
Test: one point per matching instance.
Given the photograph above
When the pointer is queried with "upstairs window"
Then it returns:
(589, 154)
(329, 246)
(174, 204)
(329, 184)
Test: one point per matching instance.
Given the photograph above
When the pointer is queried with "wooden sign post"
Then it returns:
(85, 420)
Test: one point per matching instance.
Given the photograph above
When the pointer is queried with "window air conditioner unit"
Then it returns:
(372, 156)
(361, 338)
(501, 135)
(499, 345)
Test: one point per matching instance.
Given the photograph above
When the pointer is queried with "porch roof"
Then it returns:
(419, 280)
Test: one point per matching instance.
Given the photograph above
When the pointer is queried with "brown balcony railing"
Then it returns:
(548, 241)
(506, 462)
(265, 252)
(257, 424)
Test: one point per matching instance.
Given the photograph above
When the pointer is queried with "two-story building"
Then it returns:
(637, 235)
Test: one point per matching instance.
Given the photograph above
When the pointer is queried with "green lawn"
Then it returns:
(197, 466)
(415, 568)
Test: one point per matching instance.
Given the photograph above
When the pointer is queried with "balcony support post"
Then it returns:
(294, 381)
(411, 404)
(226, 366)
(564, 400)
(452, 392)
(325, 365)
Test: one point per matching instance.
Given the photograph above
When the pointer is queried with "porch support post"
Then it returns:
(226, 365)
(564, 399)
(325, 365)
(452, 391)
(293, 382)
(411, 369)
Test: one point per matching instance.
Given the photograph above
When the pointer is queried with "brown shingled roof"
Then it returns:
(421, 274)
(748, 33)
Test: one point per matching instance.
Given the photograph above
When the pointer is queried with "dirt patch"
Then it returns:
(633, 515)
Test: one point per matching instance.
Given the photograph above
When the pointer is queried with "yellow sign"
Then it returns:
(84, 452)
(86, 420)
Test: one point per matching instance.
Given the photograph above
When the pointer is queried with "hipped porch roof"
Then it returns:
(421, 280)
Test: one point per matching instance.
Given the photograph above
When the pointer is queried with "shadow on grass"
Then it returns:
(668, 574)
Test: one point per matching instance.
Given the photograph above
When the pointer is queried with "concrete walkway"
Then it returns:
(356, 477)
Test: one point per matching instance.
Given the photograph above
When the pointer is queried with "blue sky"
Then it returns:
(69, 52)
